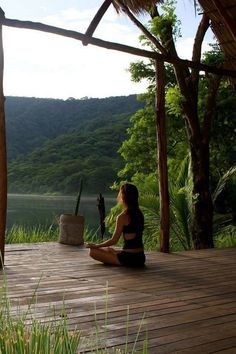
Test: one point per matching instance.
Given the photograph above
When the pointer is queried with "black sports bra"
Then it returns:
(129, 229)
(136, 241)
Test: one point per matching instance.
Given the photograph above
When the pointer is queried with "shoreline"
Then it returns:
(52, 196)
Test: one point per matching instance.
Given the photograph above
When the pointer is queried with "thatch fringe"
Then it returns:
(136, 6)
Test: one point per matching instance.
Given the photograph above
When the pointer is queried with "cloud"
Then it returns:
(112, 26)
(46, 65)
(185, 47)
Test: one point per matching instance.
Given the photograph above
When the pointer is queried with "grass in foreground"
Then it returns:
(18, 337)
(24, 334)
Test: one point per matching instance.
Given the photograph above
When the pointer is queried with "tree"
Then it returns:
(139, 150)
(198, 122)
(198, 132)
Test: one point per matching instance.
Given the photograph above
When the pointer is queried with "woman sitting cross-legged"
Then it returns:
(130, 223)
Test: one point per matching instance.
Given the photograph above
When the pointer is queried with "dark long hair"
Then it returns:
(128, 196)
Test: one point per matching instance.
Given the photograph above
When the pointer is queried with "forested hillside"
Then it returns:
(53, 143)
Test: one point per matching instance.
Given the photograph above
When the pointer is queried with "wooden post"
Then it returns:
(3, 159)
(162, 157)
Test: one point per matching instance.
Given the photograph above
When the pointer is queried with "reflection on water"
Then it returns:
(40, 210)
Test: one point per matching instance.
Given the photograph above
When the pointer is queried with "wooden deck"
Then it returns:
(186, 301)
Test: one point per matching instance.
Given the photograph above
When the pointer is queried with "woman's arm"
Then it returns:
(115, 237)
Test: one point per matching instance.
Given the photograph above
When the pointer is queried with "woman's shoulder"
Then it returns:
(123, 217)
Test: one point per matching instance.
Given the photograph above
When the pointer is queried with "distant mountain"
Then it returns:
(53, 143)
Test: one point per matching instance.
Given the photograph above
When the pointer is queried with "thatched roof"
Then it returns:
(223, 22)
(136, 6)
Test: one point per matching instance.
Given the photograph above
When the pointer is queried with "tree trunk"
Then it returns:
(162, 157)
(202, 212)
(3, 160)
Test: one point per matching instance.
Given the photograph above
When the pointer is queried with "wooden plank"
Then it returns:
(187, 300)
(218, 344)
(179, 342)
(228, 351)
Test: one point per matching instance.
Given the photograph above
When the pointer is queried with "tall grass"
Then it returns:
(225, 237)
(21, 234)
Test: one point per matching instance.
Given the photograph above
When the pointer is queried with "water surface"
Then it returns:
(40, 210)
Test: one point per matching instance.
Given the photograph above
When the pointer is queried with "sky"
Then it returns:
(39, 64)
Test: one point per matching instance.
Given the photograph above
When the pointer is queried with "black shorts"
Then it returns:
(130, 259)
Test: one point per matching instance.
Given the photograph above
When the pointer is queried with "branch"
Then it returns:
(182, 74)
(143, 28)
(197, 48)
(95, 21)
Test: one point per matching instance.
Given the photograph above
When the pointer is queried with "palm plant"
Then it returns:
(180, 205)
(180, 210)
(180, 190)
(222, 222)
(149, 203)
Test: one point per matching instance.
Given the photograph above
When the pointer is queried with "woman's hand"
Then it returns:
(91, 245)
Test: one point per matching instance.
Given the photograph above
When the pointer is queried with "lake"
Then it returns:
(40, 210)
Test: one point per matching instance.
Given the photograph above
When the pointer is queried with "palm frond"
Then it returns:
(222, 182)
(220, 222)
(180, 190)
(181, 215)
(184, 172)
(150, 201)
(226, 237)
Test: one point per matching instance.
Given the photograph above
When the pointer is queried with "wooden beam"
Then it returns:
(3, 158)
(116, 46)
(95, 21)
(162, 157)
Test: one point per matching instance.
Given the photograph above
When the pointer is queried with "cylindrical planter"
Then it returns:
(71, 229)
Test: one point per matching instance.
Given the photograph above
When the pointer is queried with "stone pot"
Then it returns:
(71, 228)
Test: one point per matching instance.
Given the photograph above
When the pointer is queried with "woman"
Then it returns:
(130, 223)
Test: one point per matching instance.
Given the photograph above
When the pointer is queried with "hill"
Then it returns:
(53, 143)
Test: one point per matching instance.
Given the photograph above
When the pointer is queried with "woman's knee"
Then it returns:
(92, 252)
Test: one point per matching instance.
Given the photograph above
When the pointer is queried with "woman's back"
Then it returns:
(133, 230)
